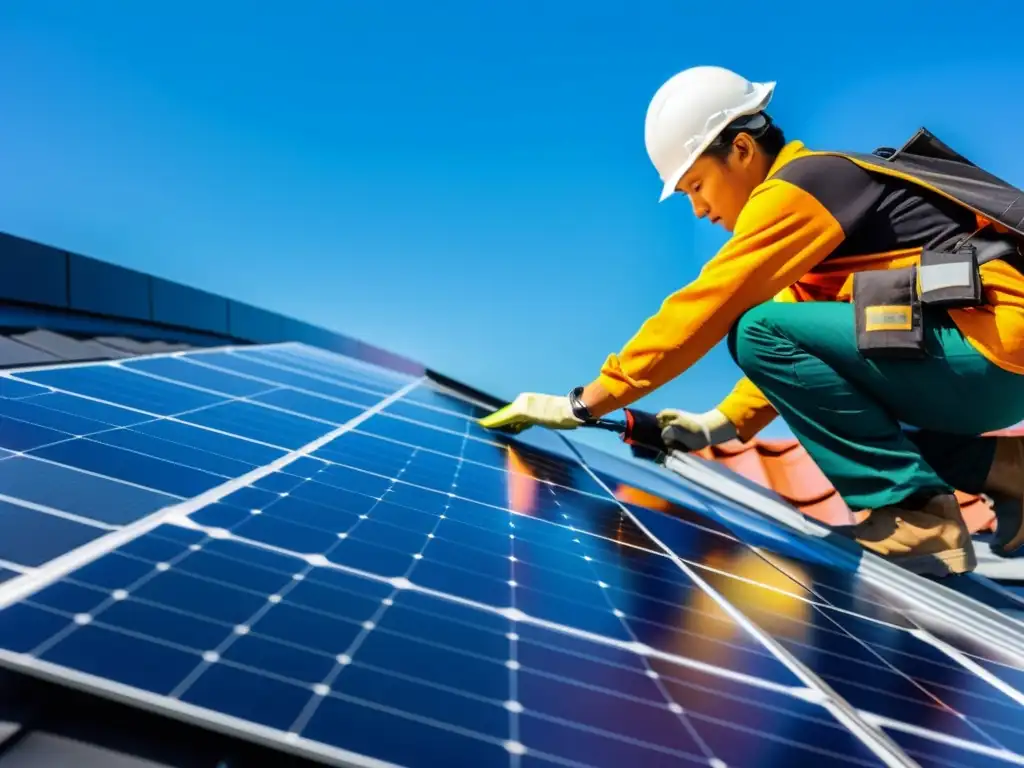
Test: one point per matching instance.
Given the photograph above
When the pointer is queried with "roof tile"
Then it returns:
(785, 467)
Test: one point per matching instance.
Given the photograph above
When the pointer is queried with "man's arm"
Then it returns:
(747, 409)
(782, 232)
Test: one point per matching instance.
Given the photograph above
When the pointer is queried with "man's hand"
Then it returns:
(531, 409)
(693, 431)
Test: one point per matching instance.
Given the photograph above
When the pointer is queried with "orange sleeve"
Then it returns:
(781, 233)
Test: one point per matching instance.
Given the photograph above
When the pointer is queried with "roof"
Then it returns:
(283, 544)
(785, 467)
(40, 346)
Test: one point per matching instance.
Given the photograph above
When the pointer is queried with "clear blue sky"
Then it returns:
(464, 183)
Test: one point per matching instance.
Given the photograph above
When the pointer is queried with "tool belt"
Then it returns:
(889, 304)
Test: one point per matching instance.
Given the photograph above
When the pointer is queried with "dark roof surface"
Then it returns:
(43, 347)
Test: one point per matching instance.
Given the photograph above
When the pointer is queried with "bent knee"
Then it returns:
(757, 335)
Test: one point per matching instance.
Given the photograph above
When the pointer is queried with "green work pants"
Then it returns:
(852, 414)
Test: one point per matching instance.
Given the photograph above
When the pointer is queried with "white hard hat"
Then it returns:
(690, 110)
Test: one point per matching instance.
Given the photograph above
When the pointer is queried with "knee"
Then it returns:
(755, 338)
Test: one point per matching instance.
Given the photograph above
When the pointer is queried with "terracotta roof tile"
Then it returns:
(786, 468)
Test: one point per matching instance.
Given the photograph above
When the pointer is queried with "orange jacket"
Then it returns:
(781, 239)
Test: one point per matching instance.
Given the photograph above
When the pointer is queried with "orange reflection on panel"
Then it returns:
(770, 597)
(627, 494)
(522, 484)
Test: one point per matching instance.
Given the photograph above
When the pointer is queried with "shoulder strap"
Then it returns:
(927, 162)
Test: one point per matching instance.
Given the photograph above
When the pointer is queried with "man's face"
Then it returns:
(718, 189)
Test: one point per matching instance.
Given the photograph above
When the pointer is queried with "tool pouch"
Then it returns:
(951, 280)
(888, 311)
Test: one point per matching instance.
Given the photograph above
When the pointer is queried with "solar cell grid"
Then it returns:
(414, 575)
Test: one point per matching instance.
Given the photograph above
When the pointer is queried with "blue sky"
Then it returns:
(461, 182)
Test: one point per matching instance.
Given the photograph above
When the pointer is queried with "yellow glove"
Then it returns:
(693, 431)
(531, 409)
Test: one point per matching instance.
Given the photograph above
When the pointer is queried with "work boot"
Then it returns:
(931, 541)
(1005, 486)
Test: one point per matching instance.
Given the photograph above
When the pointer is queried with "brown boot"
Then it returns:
(930, 541)
(1005, 486)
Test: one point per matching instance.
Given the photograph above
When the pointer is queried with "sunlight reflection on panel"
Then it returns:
(631, 495)
(780, 612)
(522, 484)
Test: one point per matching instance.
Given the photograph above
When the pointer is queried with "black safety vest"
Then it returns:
(929, 163)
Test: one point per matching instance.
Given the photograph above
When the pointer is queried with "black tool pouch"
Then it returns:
(888, 310)
(951, 280)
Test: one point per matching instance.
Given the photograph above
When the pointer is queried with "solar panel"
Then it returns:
(334, 559)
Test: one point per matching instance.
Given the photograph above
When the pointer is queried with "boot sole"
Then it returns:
(948, 563)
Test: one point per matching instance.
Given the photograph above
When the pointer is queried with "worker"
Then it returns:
(851, 297)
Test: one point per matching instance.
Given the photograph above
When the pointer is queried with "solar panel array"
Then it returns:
(333, 558)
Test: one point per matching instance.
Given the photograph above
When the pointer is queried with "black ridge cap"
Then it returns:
(464, 389)
(37, 278)
(21, 316)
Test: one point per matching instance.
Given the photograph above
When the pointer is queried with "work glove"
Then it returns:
(530, 409)
(693, 431)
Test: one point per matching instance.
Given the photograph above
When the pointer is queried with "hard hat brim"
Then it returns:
(759, 98)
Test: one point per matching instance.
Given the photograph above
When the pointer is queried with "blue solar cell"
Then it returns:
(219, 461)
(79, 493)
(255, 422)
(370, 730)
(32, 411)
(25, 627)
(229, 446)
(129, 466)
(105, 413)
(307, 467)
(120, 387)
(184, 370)
(277, 374)
(69, 598)
(314, 406)
(17, 436)
(12, 389)
(429, 395)
(418, 435)
(31, 538)
(454, 421)
(334, 368)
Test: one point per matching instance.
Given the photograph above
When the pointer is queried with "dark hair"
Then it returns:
(767, 134)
